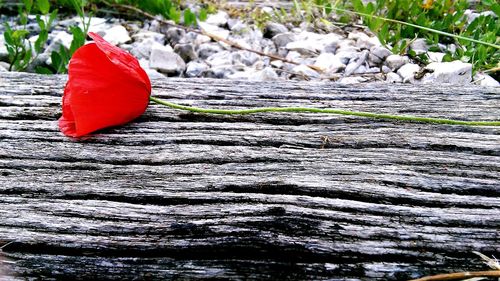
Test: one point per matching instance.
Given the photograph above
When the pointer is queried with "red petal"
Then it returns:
(67, 121)
(105, 88)
(121, 58)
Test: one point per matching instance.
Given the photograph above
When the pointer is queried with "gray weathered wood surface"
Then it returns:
(177, 195)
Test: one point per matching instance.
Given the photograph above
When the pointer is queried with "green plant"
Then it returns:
(60, 58)
(21, 51)
(171, 10)
(260, 18)
(398, 22)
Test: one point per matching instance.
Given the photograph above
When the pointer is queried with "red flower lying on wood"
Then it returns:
(106, 87)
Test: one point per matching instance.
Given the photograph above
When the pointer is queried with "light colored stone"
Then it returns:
(259, 65)
(60, 38)
(3, 68)
(472, 15)
(208, 49)
(484, 79)
(347, 43)
(329, 62)
(266, 74)
(273, 28)
(243, 42)
(255, 34)
(245, 74)
(305, 71)
(220, 58)
(245, 57)
(346, 54)
(393, 77)
(189, 38)
(281, 40)
(394, 62)
(196, 69)
(294, 56)
(320, 42)
(97, 25)
(117, 35)
(407, 72)
(363, 41)
(368, 70)
(186, 52)
(231, 22)
(378, 54)
(214, 30)
(153, 74)
(304, 47)
(277, 63)
(361, 70)
(4, 54)
(267, 10)
(224, 71)
(202, 39)
(352, 80)
(435, 56)
(166, 61)
(32, 39)
(330, 47)
(358, 35)
(355, 66)
(350, 68)
(239, 27)
(367, 44)
(452, 48)
(175, 35)
(143, 49)
(419, 46)
(218, 19)
(144, 63)
(329, 43)
(147, 35)
(455, 72)
(305, 35)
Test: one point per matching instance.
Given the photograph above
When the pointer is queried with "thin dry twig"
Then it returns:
(212, 36)
(460, 275)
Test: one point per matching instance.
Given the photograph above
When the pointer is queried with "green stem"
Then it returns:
(406, 118)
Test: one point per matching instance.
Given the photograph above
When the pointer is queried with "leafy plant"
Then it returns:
(169, 9)
(60, 58)
(166, 8)
(398, 22)
(21, 51)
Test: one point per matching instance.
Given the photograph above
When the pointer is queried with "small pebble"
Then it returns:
(408, 71)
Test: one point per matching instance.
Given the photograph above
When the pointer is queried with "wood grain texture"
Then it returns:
(176, 195)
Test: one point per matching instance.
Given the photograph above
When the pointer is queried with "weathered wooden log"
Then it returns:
(267, 196)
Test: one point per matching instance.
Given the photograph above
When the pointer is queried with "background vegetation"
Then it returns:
(397, 23)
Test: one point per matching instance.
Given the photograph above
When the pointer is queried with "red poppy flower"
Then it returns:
(106, 87)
